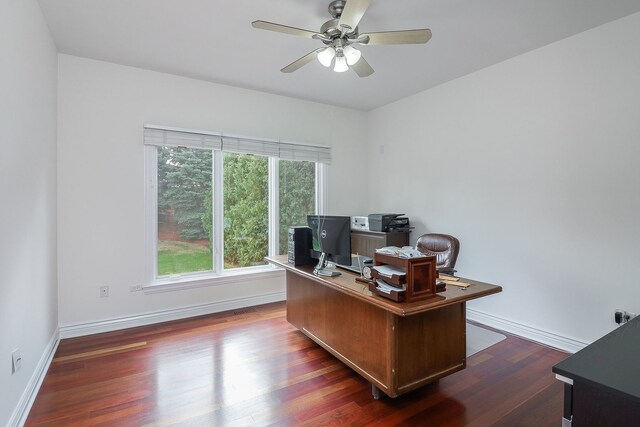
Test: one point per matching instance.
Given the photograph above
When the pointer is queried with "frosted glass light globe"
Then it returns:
(352, 54)
(341, 65)
(326, 56)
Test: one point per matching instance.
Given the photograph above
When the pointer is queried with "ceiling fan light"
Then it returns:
(341, 64)
(352, 54)
(326, 56)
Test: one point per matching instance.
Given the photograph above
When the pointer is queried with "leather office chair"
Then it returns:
(444, 247)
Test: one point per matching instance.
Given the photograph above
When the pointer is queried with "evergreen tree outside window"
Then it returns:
(297, 191)
(246, 214)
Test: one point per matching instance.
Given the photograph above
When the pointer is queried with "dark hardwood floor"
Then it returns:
(250, 367)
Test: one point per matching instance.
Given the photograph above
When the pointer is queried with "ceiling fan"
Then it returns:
(340, 34)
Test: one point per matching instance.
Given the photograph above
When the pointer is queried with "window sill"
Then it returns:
(199, 281)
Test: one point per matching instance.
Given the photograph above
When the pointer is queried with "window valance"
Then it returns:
(165, 136)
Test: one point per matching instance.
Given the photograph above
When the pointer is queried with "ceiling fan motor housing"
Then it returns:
(331, 30)
(336, 7)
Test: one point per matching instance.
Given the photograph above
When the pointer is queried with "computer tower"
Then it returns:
(299, 246)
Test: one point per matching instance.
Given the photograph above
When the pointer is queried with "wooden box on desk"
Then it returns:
(420, 277)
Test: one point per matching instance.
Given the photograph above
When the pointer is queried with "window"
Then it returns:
(246, 213)
(184, 210)
(219, 204)
(297, 196)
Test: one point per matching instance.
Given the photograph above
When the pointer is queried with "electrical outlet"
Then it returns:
(135, 288)
(16, 358)
(621, 316)
(104, 291)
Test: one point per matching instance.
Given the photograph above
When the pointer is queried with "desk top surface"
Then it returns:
(346, 283)
(611, 362)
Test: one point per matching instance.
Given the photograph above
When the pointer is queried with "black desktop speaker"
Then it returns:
(299, 246)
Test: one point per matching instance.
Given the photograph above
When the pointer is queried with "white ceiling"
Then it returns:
(213, 40)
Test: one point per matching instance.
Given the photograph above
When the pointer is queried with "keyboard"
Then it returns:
(357, 262)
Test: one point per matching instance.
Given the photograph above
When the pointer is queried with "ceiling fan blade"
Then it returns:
(264, 25)
(302, 61)
(362, 68)
(352, 14)
(398, 37)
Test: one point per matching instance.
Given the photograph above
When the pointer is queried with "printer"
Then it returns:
(388, 222)
(360, 223)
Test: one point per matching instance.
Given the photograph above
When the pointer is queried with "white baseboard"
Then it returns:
(70, 331)
(21, 412)
(532, 334)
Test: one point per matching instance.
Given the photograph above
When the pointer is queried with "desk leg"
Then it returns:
(567, 415)
(375, 391)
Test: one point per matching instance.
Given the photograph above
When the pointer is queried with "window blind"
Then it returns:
(181, 138)
(310, 153)
(250, 146)
(163, 136)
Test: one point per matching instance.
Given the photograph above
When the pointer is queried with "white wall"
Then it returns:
(534, 164)
(28, 289)
(102, 109)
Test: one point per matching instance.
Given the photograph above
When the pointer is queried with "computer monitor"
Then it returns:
(331, 241)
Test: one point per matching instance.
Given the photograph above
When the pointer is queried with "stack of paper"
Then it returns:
(389, 270)
(403, 252)
(387, 288)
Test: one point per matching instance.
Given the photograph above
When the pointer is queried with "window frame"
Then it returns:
(218, 276)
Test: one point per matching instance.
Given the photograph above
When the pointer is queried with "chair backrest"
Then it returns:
(443, 246)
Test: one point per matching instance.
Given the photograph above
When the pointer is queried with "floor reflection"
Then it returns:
(201, 376)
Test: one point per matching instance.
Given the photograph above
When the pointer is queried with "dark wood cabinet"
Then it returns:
(366, 242)
(602, 381)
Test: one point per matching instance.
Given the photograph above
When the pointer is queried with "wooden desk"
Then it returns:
(398, 347)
